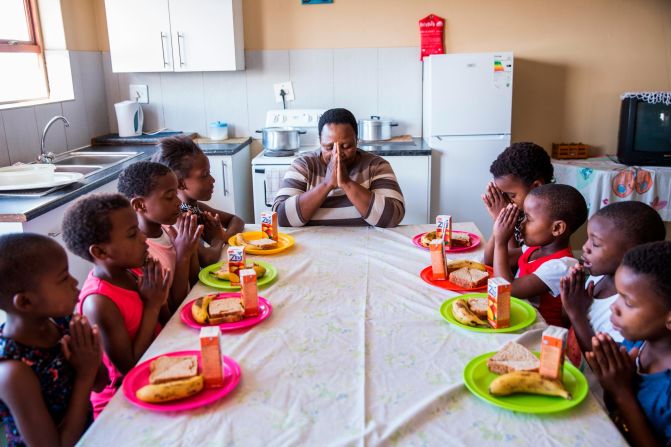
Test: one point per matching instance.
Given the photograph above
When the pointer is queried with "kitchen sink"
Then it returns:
(98, 159)
(86, 170)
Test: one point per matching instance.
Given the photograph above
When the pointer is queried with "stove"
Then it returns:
(269, 166)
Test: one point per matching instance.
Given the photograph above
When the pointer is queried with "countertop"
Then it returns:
(417, 147)
(23, 209)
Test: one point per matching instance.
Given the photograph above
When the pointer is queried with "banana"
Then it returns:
(260, 270)
(463, 314)
(461, 263)
(199, 308)
(529, 383)
(165, 392)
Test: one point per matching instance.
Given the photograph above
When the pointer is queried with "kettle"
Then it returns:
(129, 117)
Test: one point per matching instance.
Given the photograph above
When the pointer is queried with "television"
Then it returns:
(644, 137)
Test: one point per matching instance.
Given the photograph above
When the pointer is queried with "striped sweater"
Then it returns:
(386, 209)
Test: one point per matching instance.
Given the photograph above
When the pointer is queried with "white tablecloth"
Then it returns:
(354, 353)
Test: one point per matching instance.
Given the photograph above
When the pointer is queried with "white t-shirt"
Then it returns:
(552, 271)
(599, 313)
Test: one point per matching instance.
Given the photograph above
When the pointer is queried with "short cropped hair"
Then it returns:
(87, 222)
(177, 153)
(140, 179)
(527, 161)
(337, 116)
(652, 259)
(22, 259)
(564, 202)
(637, 221)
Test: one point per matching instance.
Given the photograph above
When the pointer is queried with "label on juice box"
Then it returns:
(249, 293)
(444, 229)
(236, 262)
(438, 267)
(210, 354)
(553, 349)
(269, 224)
(498, 303)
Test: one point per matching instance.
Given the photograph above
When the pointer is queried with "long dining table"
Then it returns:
(355, 352)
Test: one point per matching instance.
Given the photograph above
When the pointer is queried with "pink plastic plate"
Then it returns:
(265, 309)
(139, 377)
(475, 241)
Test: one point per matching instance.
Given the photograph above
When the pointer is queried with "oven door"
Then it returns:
(266, 181)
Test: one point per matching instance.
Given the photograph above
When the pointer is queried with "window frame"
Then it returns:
(34, 45)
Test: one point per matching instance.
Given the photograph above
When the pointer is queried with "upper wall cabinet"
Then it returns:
(175, 35)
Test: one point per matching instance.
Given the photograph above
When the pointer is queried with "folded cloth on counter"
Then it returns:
(273, 182)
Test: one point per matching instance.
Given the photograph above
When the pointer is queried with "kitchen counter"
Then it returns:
(23, 209)
(397, 149)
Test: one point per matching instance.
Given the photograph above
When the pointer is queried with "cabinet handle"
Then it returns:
(163, 36)
(224, 168)
(180, 38)
(265, 195)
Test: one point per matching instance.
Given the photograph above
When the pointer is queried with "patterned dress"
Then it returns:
(56, 376)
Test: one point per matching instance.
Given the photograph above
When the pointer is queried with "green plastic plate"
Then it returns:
(477, 378)
(522, 314)
(209, 280)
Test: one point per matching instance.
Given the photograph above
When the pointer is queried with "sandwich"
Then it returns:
(469, 278)
(227, 310)
(263, 244)
(171, 378)
(460, 239)
(224, 275)
(513, 357)
(478, 306)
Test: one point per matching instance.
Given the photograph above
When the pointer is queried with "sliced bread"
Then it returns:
(264, 244)
(460, 239)
(168, 369)
(478, 306)
(469, 278)
(227, 310)
(513, 357)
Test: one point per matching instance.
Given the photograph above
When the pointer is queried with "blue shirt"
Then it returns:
(654, 396)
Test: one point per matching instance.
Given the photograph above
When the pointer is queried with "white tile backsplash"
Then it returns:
(4, 152)
(78, 133)
(400, 88)
(111, 91)
(263, 69)
(355, 79)
(93, 83)
(153, 112)
(183, 102)
(226, 100)
(311, 73)
(21, 133)
(55, 140)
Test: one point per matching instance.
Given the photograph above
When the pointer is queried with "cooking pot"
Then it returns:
(375, 129)
(281, 138)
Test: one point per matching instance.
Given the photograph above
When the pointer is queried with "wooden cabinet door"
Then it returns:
(139, 35)
(207, 35)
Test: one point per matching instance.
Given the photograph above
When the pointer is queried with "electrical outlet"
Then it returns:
(288, 89)
(139, 93)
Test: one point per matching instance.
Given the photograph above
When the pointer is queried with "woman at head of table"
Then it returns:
(339, 184)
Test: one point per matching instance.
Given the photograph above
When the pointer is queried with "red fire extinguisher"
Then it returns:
(431, 31)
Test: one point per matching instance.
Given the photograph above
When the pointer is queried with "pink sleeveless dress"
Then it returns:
(130, 306)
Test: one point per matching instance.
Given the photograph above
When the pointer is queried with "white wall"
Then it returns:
(21, 128)
(368, 81)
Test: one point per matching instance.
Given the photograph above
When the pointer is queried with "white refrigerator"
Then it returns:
(467, 107)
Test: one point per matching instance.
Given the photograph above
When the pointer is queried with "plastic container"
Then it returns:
(26, 174)
(218, 130)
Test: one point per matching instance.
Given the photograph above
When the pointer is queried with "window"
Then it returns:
(23, 76)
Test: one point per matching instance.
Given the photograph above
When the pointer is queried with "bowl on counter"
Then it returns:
(26, 174)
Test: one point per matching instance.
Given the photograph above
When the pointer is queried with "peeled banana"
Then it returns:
(463, 314)
(165, 392)
(461, 263)
(224, 275)
(199, 309)
(527, 382)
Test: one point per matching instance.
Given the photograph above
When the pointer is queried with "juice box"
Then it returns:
(269, 224)
(444, 229)
(249, 293)
(553, 349)
(438, 267)
(210, 354)
(236, 262)
(498, 303)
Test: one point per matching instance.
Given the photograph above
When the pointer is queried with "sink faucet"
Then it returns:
(49, 157)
